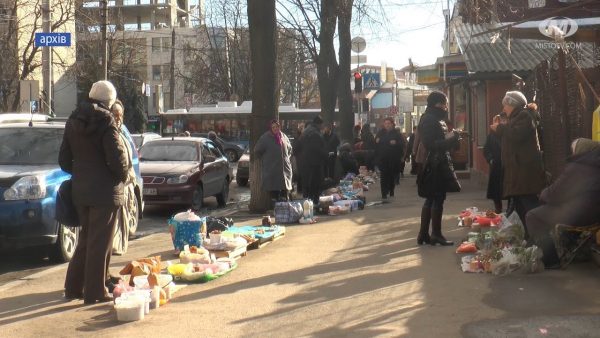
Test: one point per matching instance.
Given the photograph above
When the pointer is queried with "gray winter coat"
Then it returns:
(276, 162)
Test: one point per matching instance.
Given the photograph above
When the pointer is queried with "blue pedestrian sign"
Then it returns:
(52, 40)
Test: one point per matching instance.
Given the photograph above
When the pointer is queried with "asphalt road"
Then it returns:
(19, 265)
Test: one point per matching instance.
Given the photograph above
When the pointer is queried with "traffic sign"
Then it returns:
(354, 59)
(52, 40)
(358, 44)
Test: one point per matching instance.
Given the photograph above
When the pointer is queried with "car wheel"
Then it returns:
(198, 198)
(242, 182)
(231, 154)
(223, 196)
(65, 245)
(121, 238)
(133, 214)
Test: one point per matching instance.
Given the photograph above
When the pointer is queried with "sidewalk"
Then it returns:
(359, 275)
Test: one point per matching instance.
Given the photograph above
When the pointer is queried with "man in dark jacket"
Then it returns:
(389, 152)
(312, 158)
(332, 142)
(409, 153)
(572, 199)
(93, 154)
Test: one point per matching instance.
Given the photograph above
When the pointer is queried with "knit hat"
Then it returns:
(583, 145)
(514, 99)
(436, 97)
(105, 92)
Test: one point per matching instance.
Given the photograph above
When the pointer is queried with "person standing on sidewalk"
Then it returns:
(332, 143)
(434, 134)
(296, 161)
(493, 155)
(313, 156)
(94, 155)
(410, 155)
(275, 150)
(389, 148)
(524, 176)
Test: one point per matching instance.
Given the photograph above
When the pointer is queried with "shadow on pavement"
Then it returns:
(34, 305)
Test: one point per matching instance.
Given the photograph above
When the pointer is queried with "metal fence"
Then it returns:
(564, 104)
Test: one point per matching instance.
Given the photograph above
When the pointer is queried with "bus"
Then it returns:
(230, 121)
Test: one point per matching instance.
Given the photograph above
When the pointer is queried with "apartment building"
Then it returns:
(147, 28)
(21, 80)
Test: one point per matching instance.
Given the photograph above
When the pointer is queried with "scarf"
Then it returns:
(276, 135)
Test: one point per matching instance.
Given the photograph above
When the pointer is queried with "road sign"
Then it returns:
(358, 44)
(52, 40)
(362, 59)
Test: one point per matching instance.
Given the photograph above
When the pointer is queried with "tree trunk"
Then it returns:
(265, 99)
(345, 115)
(327, 67)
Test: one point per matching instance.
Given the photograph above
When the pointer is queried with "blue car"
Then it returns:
(29, 180)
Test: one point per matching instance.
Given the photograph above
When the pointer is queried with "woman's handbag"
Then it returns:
(66, 213)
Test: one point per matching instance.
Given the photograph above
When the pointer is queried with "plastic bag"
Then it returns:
(531, 260)
(507, 264)
(467, 247)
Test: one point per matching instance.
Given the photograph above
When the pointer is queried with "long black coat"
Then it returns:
(493, 154)
(313, 150)
(432, 130)
(92, 152)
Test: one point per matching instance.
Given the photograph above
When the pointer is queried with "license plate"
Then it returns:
(150, 191)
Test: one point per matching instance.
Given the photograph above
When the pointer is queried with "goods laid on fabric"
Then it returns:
(186, 228)
(335, 210)
(288, 212)
(201, 273)
(194, 255)
(472, 217)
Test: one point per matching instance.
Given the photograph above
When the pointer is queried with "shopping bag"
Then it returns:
(65, 212)
(288, 212)
(185, 233)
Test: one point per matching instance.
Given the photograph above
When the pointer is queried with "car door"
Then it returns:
(221, 165)
(210, 177)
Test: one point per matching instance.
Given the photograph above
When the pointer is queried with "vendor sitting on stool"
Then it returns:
(572, 199)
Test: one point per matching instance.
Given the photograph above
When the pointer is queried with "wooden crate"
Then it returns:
(233, 254)
(266, 241)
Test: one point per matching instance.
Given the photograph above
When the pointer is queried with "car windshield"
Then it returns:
(169, 151)
(30, 145)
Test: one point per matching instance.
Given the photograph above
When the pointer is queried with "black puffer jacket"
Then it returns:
(389, 150)
(93, 153)
(313, 148)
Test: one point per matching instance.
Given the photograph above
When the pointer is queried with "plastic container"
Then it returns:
(130, 308)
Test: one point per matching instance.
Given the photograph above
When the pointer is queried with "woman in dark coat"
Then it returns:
(347, 161)
(388, 152)
(275, 151)
(368, 147)
(493, 155)
(434, 134)
(524, 177)
(572, 199)
(92, 152)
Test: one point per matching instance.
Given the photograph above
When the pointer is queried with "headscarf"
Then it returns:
(583, 145)
(276, 135)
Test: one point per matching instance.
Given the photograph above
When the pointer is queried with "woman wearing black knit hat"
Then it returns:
(435, 136)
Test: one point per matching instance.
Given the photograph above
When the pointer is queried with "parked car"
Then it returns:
(243, 169)
(233, 150)
(29, 180)
(184, 171)
(140, 139)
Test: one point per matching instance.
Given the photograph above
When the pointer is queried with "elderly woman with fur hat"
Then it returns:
(94, 155)
(572, 199)
(524, 177)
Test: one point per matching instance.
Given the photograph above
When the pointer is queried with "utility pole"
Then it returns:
(104, 4)
(46, 60)
(172, 79)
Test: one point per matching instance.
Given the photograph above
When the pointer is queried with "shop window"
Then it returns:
(156, 74)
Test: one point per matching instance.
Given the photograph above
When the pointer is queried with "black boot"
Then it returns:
(423, 236)
(436, 229)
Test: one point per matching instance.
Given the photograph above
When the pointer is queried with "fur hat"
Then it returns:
(105, 92)
(514, 99)
(436, 97)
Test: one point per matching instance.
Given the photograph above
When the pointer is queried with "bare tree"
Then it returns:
(262, 23)
(346, 115)
(20, 58)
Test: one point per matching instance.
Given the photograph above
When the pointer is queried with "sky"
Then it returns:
(415, 29)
